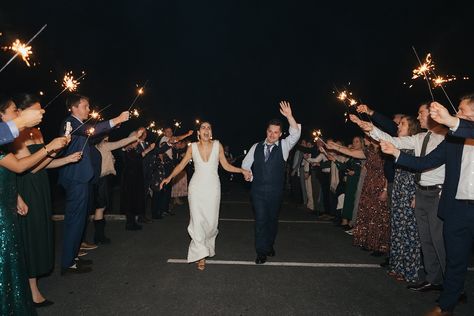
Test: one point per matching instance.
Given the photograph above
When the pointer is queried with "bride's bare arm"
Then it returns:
(225, 164)
(179, 167)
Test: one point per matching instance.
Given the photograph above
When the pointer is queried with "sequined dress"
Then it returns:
(15, 295)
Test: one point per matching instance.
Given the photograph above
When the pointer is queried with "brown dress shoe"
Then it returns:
(438, 312)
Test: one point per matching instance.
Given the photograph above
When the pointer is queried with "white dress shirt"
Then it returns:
(286, 145)
(429, 177)
(466, 177)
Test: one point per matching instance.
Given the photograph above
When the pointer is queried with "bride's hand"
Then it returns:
(247, 174)
(164, 182)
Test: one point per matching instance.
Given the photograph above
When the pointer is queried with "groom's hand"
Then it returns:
(285, 109)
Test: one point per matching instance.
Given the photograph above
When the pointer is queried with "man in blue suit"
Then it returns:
(456, 206)
(76, 177)
(11, 129)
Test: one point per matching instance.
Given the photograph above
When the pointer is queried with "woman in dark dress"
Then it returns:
(405, 252)
(33, 186)
(132, 197)
(15, 295)
(372, 229)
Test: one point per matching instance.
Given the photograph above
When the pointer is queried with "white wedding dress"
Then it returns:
(204, 196)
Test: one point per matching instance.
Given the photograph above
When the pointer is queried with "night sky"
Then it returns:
(230, 62)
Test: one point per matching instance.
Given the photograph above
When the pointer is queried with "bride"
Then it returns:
(204, 192)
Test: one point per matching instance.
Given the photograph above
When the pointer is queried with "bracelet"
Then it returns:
(384, 189)
(47, 151)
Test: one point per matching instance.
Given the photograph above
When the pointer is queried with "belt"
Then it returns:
(429, 187)
(468, 202)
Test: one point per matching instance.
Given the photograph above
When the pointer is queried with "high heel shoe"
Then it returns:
(201, 264)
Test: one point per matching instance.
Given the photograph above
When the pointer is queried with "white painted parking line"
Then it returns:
(284, 264)
(280, 221)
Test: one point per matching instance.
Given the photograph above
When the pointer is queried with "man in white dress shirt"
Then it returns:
(267, 160)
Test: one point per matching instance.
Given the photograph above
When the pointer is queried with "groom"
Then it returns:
(267, 159)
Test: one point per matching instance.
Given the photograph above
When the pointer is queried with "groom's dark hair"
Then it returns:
(275, 122)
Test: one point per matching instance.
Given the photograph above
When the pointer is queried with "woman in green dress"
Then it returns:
(36, 228)
(15, 296)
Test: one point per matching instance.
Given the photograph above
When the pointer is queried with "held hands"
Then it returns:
(285, 109)
(441, 115)
(247, 174)
(383, 196)
(364, 109)
(189, 133)
(389, 149)
(21, 207)
(164, 182)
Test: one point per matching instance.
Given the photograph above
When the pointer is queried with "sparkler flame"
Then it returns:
(24, 50)
(95, 115)
(69, 83)
(135, 113)
(427, 66)
(90, 131)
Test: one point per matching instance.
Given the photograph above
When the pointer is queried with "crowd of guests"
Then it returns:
(374, 188)
(86, 162)
(404, 191)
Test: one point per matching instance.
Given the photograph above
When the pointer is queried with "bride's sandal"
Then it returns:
(201, 264)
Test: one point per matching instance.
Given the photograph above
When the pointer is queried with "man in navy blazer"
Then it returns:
(456, 206)
(76, 177)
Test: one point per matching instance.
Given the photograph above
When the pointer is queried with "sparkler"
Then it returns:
(68, 83)
(423, 69)
(158, 133)
(97, 116)
(140, 91)
(90, 132)
(318, 136)
(438, 82)
(135, 113)
(176, 126)
(23, 49)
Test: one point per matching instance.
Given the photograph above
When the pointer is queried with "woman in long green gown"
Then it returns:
(33, 185)
(15, 295)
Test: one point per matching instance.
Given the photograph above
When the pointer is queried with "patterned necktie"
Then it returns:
(267, 151)
(423, 153)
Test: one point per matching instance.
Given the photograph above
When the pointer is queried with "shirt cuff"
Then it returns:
(455, 128)
(13, 128)
(111, 123)
(293, 130)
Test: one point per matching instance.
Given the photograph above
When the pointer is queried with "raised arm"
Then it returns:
(179, 167)
(385, 123)
(356, 153)
(21, 165)
(228, 167)
(435, 158)
(176, 139)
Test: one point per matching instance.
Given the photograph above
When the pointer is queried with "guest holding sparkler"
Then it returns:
(102, 188)
(36, 227)
(75, 178)
(456, 201)
(15, 296)
(429, 185)
(11, 129)
(132, 199)
(371, 231)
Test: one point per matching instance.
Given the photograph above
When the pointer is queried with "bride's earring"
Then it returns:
(210, 135)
